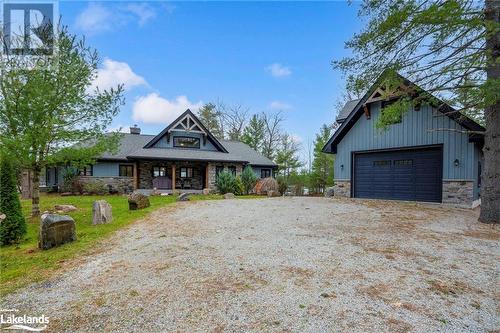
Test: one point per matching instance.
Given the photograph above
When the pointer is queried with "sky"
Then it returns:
(265, 56)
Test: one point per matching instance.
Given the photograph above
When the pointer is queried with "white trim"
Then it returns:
(191, 123)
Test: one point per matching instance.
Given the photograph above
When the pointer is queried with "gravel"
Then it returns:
(282, 265)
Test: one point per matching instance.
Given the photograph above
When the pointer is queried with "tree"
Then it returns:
(236, 119)
(287, 155)
(248, 178)
(272, 133)
(210, 118)
(253, 134)
(322, 165)
(13, 227)
(49, 114)
(447, 47)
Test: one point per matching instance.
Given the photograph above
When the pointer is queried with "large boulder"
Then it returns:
(229, 196)
(138, 201)
(183, 197)
(65, 208)
(329, 192)
(265, 185)
(206, 191)
(101, 212)
(56, 230)
(273, 194)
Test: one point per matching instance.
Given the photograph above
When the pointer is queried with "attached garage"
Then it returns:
(399, 174)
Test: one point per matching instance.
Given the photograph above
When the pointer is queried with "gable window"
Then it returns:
(232, 170)
(126, 170)
(265, 173)
(159, 171)
(218, 170)
(85, 171)
(186, 142)
(186, 172)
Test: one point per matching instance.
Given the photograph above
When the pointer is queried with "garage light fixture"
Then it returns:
(341, 167)
(456, 162)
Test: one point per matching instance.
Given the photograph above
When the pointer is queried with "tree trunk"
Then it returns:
(490, 178)
(35, 197)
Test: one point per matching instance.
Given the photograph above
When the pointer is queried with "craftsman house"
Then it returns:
(184, 156)
(432, 154)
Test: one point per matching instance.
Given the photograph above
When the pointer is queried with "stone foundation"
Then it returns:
(212, 169)
(342, 188)
(118, 184)
(458, 192)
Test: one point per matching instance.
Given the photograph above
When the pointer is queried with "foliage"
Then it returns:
(226, 183)
(282, 184)
(49, 112)
(322, 165)
(13, 227)
(71, 180)
(253, 134)
(96, 187)
(287, 156)
(211, 119)
(248, 179)
(239, 188)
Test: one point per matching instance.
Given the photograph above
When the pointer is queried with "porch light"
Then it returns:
(341, 167)
(456, 162)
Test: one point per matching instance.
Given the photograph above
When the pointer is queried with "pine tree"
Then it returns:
(248, 178)
(322, 165)
(253, 134)
(13, 227)
(210, 118)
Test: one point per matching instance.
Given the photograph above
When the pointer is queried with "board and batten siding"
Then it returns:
(417, 128)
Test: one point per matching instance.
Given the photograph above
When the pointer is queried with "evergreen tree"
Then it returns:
(253, 134)
(14, 225)
(210, 118)
(322, 165)
(248, 178)
(287, 156)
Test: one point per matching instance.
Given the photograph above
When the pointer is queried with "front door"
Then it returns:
(161, 178)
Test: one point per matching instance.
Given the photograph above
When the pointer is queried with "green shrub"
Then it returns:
(248, 179)
(71, 180)
(13, 227)
(96, 187)
(239, 189)
(226, 183)
(282, 185)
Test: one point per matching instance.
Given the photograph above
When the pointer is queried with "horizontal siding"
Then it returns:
(417, 128)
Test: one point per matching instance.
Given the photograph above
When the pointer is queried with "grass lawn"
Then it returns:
(25, 264)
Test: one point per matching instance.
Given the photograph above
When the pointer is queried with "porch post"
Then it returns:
(173, 178)
(136, 176)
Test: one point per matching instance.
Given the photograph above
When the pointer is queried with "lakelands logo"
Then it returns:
(10, 321)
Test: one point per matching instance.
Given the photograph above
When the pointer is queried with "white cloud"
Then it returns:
(114, 73)
(296, 138)
(96, 18)
(144, 12)
(155, 109)
(278, 70)
(277, 105)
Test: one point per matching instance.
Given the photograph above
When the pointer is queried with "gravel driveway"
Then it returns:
(282, 265)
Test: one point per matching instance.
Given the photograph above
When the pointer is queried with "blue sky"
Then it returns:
(267, 56)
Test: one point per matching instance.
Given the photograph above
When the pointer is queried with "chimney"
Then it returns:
(135, 130)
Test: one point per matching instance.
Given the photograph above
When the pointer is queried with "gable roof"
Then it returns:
(348, 121)
(172, 125)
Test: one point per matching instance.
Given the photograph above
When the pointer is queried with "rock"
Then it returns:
(329, 192)
(101, 212)
(66, 194)
(272, 193)
(164, 194)
(265, 185)
(183, 197)
(138, 201)
(56, 230)
(206, 191)
(65, 208)
(2, 217)
(229, 196)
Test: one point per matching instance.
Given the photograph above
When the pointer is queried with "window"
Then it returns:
(126, 170)
(159, 171)
(85, 171)
(265, 173)
(186, 142)
(47, 176)
(232, 170)
(218, 170)
(403, 162)
(382, 163)
(186, 172)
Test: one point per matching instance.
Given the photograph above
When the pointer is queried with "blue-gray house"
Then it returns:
(184, 156)
(433, 154)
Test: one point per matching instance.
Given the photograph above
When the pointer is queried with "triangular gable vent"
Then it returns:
(188, 124)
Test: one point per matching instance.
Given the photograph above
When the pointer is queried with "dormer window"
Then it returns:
(186, 142)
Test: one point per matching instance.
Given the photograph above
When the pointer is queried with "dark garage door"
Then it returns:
(399, 175)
